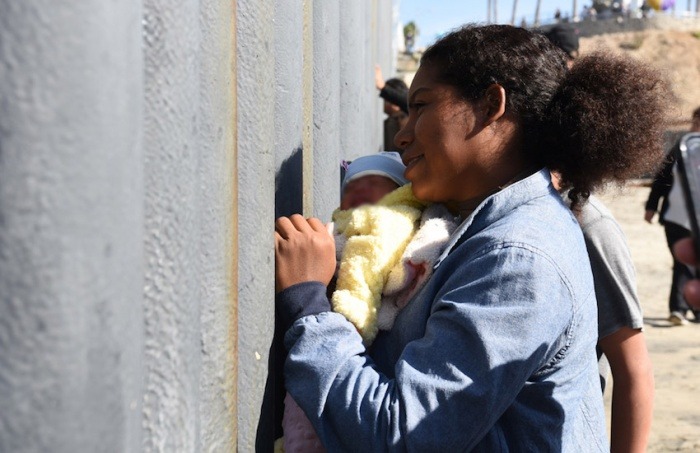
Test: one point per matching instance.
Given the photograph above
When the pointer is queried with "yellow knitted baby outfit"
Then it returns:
(376, 238)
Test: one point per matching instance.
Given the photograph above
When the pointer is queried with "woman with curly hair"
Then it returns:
(497, 350)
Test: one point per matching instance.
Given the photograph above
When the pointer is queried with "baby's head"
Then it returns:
(369, 178)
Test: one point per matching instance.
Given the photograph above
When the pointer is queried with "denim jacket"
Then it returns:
(495, 353)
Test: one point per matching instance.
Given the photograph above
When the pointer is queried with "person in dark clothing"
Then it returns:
(674, 218)
(395, 94)
(565, 37)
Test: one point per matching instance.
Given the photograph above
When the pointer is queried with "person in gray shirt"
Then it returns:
(621, 341)
(621, 345)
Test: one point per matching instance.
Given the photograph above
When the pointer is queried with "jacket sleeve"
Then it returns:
(482, 341)
(662, 182)
(297, 301)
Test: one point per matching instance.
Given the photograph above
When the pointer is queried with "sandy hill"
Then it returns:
(676, 53)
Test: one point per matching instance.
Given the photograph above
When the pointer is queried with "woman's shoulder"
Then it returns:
(551, 234)
(538, 237)
(543, 223)
(528, 217)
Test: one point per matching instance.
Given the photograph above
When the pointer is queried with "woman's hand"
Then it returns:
(304, 252)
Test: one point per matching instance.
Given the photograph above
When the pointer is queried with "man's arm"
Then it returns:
(661, 186)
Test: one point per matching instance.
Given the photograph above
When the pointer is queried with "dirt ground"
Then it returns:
(675, 351)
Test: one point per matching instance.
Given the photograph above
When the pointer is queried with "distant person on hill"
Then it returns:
(674, 218)
(395, 94)
(565, 37)
(621, 345)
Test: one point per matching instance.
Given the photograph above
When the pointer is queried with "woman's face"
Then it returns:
(450, 154)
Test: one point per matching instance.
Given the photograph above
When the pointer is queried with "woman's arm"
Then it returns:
(482, 342)
(633, 389)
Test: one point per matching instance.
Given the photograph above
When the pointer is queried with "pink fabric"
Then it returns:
(299, 434)
(415, 275)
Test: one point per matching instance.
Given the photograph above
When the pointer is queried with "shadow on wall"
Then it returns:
(288, 185)
(288, 201)
(270, 422)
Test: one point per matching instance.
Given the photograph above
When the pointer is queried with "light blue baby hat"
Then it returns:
(384, 163)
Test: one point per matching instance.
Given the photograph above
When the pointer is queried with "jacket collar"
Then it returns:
(498, 205)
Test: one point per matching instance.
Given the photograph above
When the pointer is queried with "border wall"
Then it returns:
(146, 148)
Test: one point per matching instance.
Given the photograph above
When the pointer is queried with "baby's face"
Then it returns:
(366, 190)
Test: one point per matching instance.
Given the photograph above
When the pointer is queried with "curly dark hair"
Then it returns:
(609, 116)
(600, 122)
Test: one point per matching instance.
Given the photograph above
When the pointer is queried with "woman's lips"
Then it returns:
(413, 161)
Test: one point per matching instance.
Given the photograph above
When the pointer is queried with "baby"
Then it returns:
(373, 228)
(386, 244)
(369, 178)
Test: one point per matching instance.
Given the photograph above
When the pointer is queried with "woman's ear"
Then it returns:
(494, 103)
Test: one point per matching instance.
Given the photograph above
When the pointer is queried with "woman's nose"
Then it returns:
(404, 136)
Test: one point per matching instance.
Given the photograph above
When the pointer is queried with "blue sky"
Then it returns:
(434, 17)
